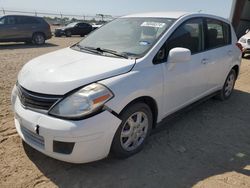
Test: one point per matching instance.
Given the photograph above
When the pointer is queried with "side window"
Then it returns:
(227, 33)
(21, 20)
(3, 20)
(189, 35)
(10, 20)
(218, 34)
(31, 20)
(82, 25)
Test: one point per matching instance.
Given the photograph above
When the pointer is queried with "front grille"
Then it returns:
(32, 137)
(248, 41)
(34, 100)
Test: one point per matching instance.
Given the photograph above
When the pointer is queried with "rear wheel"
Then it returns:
(68, 33)
(228, 87)
(38, 38)
(132, 133)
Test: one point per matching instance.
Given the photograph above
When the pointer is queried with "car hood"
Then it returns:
(64, 70)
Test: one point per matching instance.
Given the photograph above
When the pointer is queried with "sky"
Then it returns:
(119, 7)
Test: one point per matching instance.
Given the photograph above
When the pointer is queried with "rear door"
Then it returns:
(84, 28)
(219, 51)
(27, 26)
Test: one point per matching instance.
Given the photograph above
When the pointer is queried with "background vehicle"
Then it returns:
(76, 28)
(17, 28)
(107, 92)
(245, 42)
(95, 26)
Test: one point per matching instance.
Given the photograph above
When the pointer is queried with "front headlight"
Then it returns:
(82, 103)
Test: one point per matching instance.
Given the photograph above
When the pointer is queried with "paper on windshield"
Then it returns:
(153, 24)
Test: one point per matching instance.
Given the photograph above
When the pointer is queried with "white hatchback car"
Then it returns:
(245, 42)
(108, 91)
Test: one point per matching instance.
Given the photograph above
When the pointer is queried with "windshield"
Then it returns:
(1, 20)
(71, 24)
(133, 36)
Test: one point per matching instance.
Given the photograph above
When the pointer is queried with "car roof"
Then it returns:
(16, 15)
(174, 15)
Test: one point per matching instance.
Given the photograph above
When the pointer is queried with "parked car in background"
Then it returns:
(107, 92)
(19, 28)
(245, 42)
(95, 26)
(76, 28)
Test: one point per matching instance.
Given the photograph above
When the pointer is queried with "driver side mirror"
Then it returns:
(179, 55)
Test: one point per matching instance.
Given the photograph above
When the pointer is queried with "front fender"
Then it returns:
(136, 84)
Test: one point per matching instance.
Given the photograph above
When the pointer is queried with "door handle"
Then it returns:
(204, 61)
(14, 28)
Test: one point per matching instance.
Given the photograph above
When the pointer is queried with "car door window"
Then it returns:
(11, 20)
(189, 35)
(81, 25)
(26, 20)
(2, 21)
(218, 34)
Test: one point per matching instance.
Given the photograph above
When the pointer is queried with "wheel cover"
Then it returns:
(134, 131)
(39, 39)
(229, 85)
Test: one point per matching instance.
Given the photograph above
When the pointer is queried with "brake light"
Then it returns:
(239, 46)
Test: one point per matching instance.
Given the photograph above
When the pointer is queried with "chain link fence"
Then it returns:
(60, 18)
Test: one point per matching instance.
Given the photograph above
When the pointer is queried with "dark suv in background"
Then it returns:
(76, 28)
(18, 28)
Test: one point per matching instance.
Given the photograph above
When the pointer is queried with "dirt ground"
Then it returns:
(208, 146)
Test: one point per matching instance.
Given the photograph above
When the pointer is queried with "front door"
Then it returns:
(8, 28)
(187, 81)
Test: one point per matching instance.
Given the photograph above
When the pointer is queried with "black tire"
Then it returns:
(68, 33)
(117, 147)
(38, 39)
(58, 35)
(243, 54)
(223, 94)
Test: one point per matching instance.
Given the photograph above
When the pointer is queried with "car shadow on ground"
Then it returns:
(205, 141)
(21, 45)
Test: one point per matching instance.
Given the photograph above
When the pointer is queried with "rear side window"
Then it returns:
(218, 34)
(27, 20)
(82, 25)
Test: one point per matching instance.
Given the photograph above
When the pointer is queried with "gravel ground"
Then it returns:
(207, 146)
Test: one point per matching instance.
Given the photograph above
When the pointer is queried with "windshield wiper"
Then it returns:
(87, 49)
(103, 50)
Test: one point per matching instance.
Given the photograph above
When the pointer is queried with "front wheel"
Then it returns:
(228, 87)
(132, 133)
